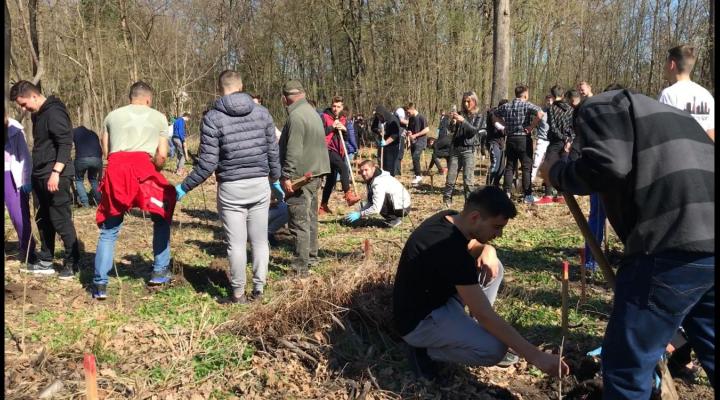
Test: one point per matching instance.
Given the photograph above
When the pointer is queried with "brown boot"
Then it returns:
(324, 209)
(351, 198)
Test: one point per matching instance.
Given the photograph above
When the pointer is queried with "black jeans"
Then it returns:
(554, 148)
(53, 214)
(417, 149)
(337, 165)
(389, 212)
(390, 159)
(519, 148)
(93, 166)
(496, 159)
(303, 224)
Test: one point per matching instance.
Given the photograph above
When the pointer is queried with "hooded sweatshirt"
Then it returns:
(391, 125)
(17, 155)
(381, 186)
(237, 141)
(52, 139)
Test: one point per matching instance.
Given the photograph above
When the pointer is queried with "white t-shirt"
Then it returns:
(693, 98)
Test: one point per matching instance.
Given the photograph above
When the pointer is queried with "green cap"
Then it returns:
(292, 87)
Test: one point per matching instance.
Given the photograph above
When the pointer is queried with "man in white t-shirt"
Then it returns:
(684, 93)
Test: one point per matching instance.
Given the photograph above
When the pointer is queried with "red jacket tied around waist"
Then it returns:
(132, 181)
(332, 139)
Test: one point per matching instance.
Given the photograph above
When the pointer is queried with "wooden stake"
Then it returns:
(590, 239)
(347, 159)
(90, 377)
(367, 251)
(564, 310)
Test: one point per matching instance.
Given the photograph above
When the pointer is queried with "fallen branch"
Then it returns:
(297, 351)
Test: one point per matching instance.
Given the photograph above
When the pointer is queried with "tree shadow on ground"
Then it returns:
(547, 258)
(201, 214)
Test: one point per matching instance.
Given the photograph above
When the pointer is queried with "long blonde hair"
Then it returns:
(472, 96)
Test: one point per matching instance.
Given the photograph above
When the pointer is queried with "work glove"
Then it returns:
(352, 217)
(279, 193)
(381, 142)
(179, 191)
(26, 188)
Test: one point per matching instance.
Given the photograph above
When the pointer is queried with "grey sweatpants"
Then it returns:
(243, 207)
(451, 335)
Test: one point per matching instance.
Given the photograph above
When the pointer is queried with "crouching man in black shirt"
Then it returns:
(445, 265)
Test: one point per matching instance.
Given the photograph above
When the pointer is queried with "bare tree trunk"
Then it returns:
(501, 50)
(7, 55)
(711, 37)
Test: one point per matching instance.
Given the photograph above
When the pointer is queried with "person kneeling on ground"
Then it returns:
(447, 264)
(386, 196)
(277, 217)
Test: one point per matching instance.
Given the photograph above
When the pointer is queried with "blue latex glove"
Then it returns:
(26, 188)
(279, 193)
(381, 142)
(352, 217)
(180, 192)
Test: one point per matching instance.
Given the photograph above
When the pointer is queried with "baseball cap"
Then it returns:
(292, 87)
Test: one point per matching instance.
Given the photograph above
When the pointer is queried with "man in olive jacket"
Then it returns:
(302, 150)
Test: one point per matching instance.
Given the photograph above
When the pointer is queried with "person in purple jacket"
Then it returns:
(18, 167)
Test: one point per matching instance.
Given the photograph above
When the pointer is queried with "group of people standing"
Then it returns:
(649, 165)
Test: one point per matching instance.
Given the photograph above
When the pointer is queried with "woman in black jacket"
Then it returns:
(387, 127)
(465, 128)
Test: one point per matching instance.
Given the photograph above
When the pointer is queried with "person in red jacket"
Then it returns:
(335, 124)
(135, 142)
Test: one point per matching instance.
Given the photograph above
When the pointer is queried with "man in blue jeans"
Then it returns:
(88, 159)
(653, 169)
(135, 140)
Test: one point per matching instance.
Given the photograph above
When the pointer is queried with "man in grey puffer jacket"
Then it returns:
(238, 143)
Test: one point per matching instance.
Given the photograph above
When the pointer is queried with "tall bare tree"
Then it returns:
(501, 50)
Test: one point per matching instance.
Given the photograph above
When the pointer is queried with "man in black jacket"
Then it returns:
(51, 177)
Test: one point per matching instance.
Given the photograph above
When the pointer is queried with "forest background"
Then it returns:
(88, 52)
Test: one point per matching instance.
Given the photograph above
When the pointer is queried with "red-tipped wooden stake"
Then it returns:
(90, 376)
(565, 266)
(367, 250)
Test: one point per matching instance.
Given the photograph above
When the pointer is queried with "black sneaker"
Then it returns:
(395, 222)
(99, 292)
(66, 273)
(231, 299)
(508, 360)
(272, 240)
(256, 295)
(421, 364)
(39, 268)
(160, 278)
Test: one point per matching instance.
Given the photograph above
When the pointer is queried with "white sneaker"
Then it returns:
(417, 180)
(394, 222)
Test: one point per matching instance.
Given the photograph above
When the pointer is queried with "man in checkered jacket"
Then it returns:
(520, 117)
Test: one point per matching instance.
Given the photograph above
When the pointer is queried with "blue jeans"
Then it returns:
(596, 220)
(93, 166)
(277, 217)
(109, 231)
(653, 295)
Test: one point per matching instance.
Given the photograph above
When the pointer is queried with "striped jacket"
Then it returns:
(654, 168)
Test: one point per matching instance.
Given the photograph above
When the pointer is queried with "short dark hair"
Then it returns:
(410, 105)
(258, 98)
(571, 94)
(490, 201)
(336, 99)
(23, 89)
(139, 88)
(684, 57)
(520, 89)
(503, 101)
(186, 114)
(557, 91)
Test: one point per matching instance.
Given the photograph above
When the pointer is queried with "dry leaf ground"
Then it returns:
(328, 336)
